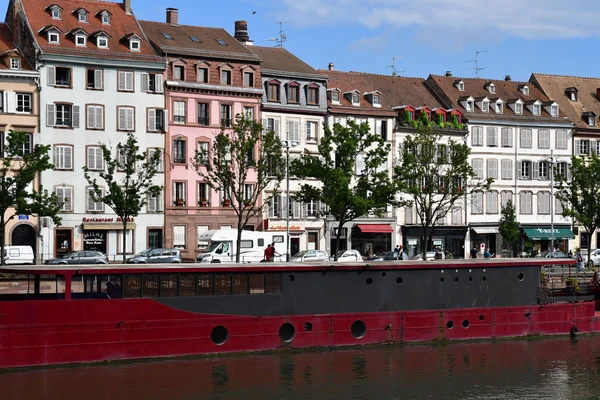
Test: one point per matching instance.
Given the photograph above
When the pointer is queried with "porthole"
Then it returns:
(465, 323)
(470, 279)
(456, 279)
(399, 280)
(441, 279)
(481, 317)
(450, 324)
(219, 335)
(308, 327)
(369, 281)
(291, 278)
(358, 329)
(287, 332)
(484, 279)
(383, 274)
(521, 276)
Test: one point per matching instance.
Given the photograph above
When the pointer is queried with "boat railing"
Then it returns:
(559, 283)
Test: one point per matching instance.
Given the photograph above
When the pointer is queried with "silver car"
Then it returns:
(79, 257)
(156, 256)
(310, 256)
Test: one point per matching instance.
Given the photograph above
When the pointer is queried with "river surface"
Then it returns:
(558, 368)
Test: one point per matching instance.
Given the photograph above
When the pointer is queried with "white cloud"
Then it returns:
(529, 19)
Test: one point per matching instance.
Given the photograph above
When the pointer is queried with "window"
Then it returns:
(492, 136)
(470, 105)
(152, 83)
(94, 117)
(582, 147)
(59, 76)
(226, 115)
(554, 110)
(381, 129)
(105, 18)
(125, 81)
(477, 203)
(179, 112)
(151, 153)
(355, 99)
(179, 147)
(477, 164)
(248, 192)
(82, 16)
(294, 93)
(62, 115)
(179, 72)
(24, 103)
(526, 138)
(525, 90)
(273, 91)
(167, 36)
(543, 170)
(311, 131)
(477, 136)
(485, 106)
(537, 109)
(544, 139)
(492, 202)
(525, 205)
(313, 95)
(461, 86)
(492, 168)
(203, 149)
(248, 79)
(271, 125)
(157, 119)
(203, 114)
(95, 158)
(221, 42)
(507, 169)
(543, 200)
(507, 137)
(249, 112)
(558, 207)
(27, 145)
(15, 63)
(134, 45)
(524, 169)
(591, 120)
(65, 197)
(179, 236)
(293, 130)
(376, 100)
(312, 209)
(202, 75)
(225, 77)
(56, 12)
(203, 194)
(335, 97)
(63, 157)
(155, 203)
(102, 42)
(94, 79)
(195, 39)
(562, 169)
(499, 107)
(126, 119)
(518, 108)
(93, 206)
(492, 88)
(179, 193)
(225, 198)
(505, 197)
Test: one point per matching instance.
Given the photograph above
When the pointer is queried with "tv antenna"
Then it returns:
(477, 68)
(282, 37)
(393, 66)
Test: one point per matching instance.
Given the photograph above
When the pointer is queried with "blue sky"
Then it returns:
(427, 36)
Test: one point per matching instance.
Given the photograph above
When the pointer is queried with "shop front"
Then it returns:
(542, 237)
(487, 238)
(105, 234)
(372, 239)
(449, 239)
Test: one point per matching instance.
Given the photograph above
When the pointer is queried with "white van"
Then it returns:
(221, 246)
(14, 255)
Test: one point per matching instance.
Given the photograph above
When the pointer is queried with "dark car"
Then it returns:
(387, 256)
(79, 257)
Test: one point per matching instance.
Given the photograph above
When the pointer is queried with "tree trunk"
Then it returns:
(589, 243)
(239, 243)
(337, 240)
(124, 240)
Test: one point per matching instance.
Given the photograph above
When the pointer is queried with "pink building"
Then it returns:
(211, 77)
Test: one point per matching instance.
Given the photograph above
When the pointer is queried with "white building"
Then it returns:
(98, 80)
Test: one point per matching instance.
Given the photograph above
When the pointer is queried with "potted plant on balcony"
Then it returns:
(227, 203)
(204, 203)
(179, 202)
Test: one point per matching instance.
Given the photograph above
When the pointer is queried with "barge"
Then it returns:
(90, 313)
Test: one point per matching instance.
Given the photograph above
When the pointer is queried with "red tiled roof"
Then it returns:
(279, 59)
(121, 24)
(7, 44)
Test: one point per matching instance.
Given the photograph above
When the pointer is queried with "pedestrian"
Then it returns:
(474, 252)
(273, 252)
(487, 254)
(580, 263)
(438, 254)
(397, 251)
(570, 253)
(268, 253)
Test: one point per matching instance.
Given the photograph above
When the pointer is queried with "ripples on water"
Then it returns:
(513, 369)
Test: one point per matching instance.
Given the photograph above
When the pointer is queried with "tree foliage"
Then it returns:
(579, 193)
(18, 172)
(242, 157)
(508, 227)
(434, 177)
(351, 171)
(128, 181)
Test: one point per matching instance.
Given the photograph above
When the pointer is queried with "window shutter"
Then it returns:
(265, 126)
(129, 80)
(98, 79)
(276, 128)
(91, 117)
(360, 164)
(50, 114)
(152, 204)
(519, 169)
(145, 82)
(68, 157)
(51, 76)
(297, 131)
(11, 103)
(99, 164)
(99, 117)
(289, 129)
(91, 205)
(593, 148)
(121, 79)
(130, 122)
(535, 170)
(58, 156)
(577, 148)
(152, 119)
(91, 157)
(68, 199)
(165, 114)
(122, 119)
(75, 121)
(158, 83)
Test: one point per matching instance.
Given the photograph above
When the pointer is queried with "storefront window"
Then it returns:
(64, 241)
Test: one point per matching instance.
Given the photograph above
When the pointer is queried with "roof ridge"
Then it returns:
(371, 74)
(185, 25)
(478, 79)
(566, 76)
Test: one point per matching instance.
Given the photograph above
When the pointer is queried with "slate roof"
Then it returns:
(279, 59)
(121, 24)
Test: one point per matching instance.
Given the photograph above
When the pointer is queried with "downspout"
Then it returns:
(40, 241)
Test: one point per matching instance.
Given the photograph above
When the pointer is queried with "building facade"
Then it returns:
(210, 79)
(94, 66)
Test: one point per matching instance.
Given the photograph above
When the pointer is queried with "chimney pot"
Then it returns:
(172, 16)
(241, 32)
(507, 78)
(331, 66)
(448, 73)
(598, 93)
(127, 6)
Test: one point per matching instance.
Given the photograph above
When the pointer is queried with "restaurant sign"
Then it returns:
(95, 220)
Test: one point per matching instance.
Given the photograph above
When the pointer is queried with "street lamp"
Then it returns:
(288, 144)
(552, 162)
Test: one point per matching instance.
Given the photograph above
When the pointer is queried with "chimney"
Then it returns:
(127, 6)
(507, 78)
(172, 16)
(598, 93)
(241, 32)
(331, 67)
(448, 73)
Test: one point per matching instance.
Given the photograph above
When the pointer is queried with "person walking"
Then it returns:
(268, 253)
(474, 253)
(580, 262)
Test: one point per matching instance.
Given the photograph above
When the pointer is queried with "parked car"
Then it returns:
(79, 257)
(430, 255)
(310, 256)
(14, 255)
(594, 256)
(347, 256)
(387, 256)
(156, 256)
(557, 254)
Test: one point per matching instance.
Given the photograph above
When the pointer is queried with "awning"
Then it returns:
(546, 233)
(375, 228)
(481, 230)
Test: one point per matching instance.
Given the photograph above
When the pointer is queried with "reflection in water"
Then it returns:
(558, 368)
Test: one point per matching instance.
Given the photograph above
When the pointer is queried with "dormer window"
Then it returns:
(15, 63)
(82, 16)
(376, 100)
(460, 85)
(491, 88)
(554, 110)
(355, 99)
(56, 12)
(470, 105)
(591, 121)
(335, 97)
(537, 109)
(80, 39)
(134, 45)
(102, 42)
(519, 108)
(589, 117)
(572, 93)
(499, 107)
(53, 37)
(485, 106)
(525, 90)
(105, 17)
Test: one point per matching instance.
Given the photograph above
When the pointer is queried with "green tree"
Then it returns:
(242, 162)
(434, 177)
(17, 174)
(128, 181)
(509, 228)
(351, 173)
(579, 193)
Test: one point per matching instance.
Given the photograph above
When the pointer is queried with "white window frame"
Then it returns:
(63, 157)
(355, 99)
(543, 139)
(537, 109)
(53, 37)
(335, 97)
(518, 108)
(492, 202)
(56, 13)
(485, 106)
(525, 202)
(312, 135)
(477, 164)
(94, 117)
(155, 204)
(179, 236)
(105, 18)
(83, 39)
(470, 105)
(507, 169)
(134, 45)
(293, 130)
(477, 203)
(554, 110)
(157, 120)
(125, 81)
(525, 138)
(24, 98)
(15, 63)
(102, 42)
(126, 118)
(65, 197)
(492, 136)
(507, 137)
(477, 136)
(82, 16)
(492, 168)
(561, 139)
(499, 107)
(94, 158)
(543, 200)
(98, 206)
(150, 153)
(179, 112)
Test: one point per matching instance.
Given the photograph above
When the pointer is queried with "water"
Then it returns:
(558, 368)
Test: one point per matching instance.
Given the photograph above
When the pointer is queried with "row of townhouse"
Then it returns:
(75, 75)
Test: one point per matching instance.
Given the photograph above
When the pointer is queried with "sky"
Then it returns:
(513, 37)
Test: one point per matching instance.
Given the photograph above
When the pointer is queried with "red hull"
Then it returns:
(58, 332)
